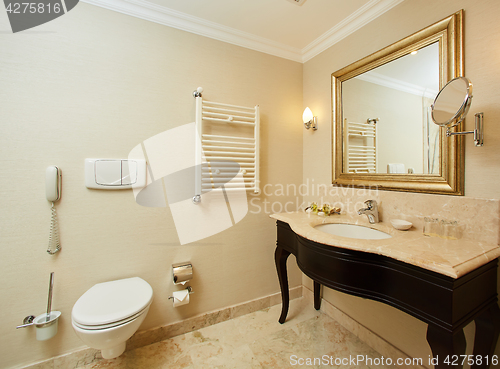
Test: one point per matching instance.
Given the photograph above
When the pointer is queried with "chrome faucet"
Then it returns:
(371, 211)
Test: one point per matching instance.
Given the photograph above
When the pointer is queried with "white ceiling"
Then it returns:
(277, 27)
(277, 20)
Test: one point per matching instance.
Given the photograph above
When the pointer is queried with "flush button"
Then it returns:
(108, 172)
(129, 172)
(115, 174)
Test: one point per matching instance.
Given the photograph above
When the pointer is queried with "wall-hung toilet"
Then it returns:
(109, 313)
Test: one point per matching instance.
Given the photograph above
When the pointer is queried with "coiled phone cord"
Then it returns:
(54, 245)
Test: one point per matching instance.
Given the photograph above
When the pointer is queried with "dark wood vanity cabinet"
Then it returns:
(446, 304)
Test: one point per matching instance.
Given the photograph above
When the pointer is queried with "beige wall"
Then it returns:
(482, 62)
(96, 83)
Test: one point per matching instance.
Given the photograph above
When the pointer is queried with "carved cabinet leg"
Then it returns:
(487, 331)
(317, 296)
(280, 257)
(444, 346)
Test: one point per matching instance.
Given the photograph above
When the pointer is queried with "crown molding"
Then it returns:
(168, 17)
(396, 84)
(158, 14)
(361, 17)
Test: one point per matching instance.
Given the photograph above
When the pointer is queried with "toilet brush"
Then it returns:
(45, 324)
(49, 302)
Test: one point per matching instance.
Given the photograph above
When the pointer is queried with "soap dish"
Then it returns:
(401, 224)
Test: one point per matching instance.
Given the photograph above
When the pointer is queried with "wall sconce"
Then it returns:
(309, 120)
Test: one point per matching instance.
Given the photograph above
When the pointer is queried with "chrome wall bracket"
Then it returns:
(197, 92)
(477, 132)
(28, 321)
(190, 291)
(313, 123)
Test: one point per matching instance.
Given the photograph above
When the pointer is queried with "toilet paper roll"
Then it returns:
(181, 298)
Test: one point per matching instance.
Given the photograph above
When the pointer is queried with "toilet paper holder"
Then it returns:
(190, 290)
(182, 272)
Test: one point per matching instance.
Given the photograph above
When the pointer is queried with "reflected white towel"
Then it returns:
(395, 168)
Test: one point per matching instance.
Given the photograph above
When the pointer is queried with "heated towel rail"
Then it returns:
(227, 147)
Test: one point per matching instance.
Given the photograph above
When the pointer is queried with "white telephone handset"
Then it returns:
(53, 178)
(53, 183)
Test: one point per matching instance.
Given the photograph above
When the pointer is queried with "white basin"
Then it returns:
(352, 231)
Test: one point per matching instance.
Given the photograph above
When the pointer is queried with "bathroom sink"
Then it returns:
(352, 231)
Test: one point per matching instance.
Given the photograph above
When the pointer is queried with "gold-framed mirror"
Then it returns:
(383, 134)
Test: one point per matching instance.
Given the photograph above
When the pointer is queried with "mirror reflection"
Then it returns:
(386, 111)
(452, 103)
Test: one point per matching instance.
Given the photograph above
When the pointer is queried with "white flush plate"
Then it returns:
(115, 174)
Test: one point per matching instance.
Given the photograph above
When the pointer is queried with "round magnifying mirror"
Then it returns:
(452, 103)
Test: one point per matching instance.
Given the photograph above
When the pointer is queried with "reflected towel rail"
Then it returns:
(361, 151)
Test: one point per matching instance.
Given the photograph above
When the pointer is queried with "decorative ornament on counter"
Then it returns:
(325, 209)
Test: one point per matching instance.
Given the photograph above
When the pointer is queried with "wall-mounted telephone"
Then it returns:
(53, 177)
(53, 183)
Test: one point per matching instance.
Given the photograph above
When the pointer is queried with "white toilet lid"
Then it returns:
(109, 302)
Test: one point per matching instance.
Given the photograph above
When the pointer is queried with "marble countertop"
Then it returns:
(453, 258)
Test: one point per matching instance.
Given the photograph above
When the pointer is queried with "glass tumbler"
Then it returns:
(431, 227)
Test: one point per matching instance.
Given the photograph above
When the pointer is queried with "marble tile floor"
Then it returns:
(255, 340)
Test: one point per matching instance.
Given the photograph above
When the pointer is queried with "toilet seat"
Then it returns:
(110, 304)
(109, 325)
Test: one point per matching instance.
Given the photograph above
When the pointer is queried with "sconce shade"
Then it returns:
(307, 116)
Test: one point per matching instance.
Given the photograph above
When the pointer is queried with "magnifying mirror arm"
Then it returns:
(477, 132)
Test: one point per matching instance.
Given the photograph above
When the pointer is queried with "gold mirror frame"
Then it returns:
(450, 180)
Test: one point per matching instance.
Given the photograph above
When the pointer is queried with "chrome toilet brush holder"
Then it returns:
(46, 323)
